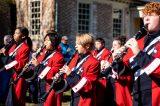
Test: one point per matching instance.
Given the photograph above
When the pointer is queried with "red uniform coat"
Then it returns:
(19, 89)
(83, 82)
(118, 91)
(103, 56)
(146, 68)
(55, 62)
(101, 87)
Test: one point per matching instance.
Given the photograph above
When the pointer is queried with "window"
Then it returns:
(117, 22)
(83, 17)
(35, 17)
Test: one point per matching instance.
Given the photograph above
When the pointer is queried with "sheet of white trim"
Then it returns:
(15, 50)
(79, 85)
(131, 59)
(149, 69)
(10, 65)
(149, 53)
(44, 72)
(153, 42)
(99, 54)
(45, 62)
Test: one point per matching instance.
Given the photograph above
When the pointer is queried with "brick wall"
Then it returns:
(102, 22)
(67, 18)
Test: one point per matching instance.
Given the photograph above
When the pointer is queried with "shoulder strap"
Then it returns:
(12, 54)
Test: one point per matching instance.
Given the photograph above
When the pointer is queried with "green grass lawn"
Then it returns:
(65, 100)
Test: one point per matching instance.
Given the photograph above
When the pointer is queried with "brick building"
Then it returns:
(103, 18)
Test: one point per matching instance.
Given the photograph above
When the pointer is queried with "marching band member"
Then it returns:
(47, 65)
(4, 84)
(143, 59)
(118, 91)
(101, 53)
(82, 74)
(17, 56)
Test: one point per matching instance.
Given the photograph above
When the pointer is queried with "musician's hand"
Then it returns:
(104, 64)
(34, 55)
(35, 62)
(66, 69)
(133, 44)
(117, 51)
(3, 50)
(56, 76)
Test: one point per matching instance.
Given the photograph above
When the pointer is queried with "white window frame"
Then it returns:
(119, 25)
(90, 12)
(35, 29)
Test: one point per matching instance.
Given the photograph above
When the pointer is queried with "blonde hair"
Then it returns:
(85, 39)
(153, 7)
